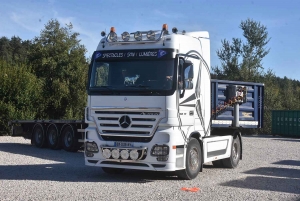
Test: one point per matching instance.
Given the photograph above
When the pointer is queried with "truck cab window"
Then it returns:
(188, 77)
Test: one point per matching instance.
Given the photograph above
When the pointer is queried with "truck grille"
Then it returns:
(127, 122)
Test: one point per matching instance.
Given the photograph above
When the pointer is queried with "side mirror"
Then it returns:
(188, 74)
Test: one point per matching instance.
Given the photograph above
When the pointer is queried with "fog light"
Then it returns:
(89, 154)
(115, 153)
(160, 150)
(162, 158)
(134, 154)
(124, 154)
(91, 146)
(106, 153)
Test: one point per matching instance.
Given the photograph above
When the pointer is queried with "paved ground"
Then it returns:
(270, 170)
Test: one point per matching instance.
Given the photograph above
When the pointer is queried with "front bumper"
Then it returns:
(163, 136)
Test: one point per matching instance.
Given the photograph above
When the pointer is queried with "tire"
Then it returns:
(234, 159)
(193, 161)
(69, 140)
(53, 138)
(113, 170)
(39, 136)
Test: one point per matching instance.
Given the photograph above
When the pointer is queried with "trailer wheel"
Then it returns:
(69, 141)
(38, 136)
(53, 137)
(234, 159)
(193, 161)
(113, 170)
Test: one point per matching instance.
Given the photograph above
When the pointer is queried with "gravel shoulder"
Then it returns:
(270, 170)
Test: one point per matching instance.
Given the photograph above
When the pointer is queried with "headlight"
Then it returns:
(91, 147)
(160, 150)
(138, 36)
(125, 36)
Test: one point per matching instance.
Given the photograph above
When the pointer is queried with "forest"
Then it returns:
(45, 78)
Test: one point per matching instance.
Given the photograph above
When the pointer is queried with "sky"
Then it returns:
(221, 18)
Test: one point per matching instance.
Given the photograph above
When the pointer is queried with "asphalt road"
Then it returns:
(270, 170)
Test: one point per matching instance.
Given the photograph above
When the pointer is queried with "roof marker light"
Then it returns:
(112, 29)
(175, 30)
(165, 27)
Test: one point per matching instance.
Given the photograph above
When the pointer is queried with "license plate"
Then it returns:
(123, 144)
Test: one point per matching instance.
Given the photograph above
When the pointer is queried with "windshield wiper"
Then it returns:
(108, 87)
(138, 86)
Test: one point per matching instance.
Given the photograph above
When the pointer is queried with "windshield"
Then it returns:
(132, 75)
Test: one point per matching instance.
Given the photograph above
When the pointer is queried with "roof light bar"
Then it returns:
(139, 36)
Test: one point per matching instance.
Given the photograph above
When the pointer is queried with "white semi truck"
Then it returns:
(153, 106)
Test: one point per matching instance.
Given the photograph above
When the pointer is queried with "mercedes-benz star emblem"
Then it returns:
(125, 121)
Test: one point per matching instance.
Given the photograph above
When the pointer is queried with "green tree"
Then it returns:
(5, 49)
(242, 60)
(58, 59)
(20, 93)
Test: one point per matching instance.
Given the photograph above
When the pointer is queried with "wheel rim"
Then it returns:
(52, 137)
(38, 135)
(68, 139)
(194, 159)
(235, 153)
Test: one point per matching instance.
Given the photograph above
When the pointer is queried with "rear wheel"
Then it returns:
(193, 161)
(113, 170)
(234, 159)
(38, 136)
(53, 137)
(69, 140)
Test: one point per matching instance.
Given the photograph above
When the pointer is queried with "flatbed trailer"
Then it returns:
(55, 134)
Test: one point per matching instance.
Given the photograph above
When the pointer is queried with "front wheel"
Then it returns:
(69, 140)
(193, 161)
(234, 159)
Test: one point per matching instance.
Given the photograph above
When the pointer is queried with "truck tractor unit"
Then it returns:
(152, 105)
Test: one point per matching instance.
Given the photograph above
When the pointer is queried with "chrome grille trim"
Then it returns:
(143, 122)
